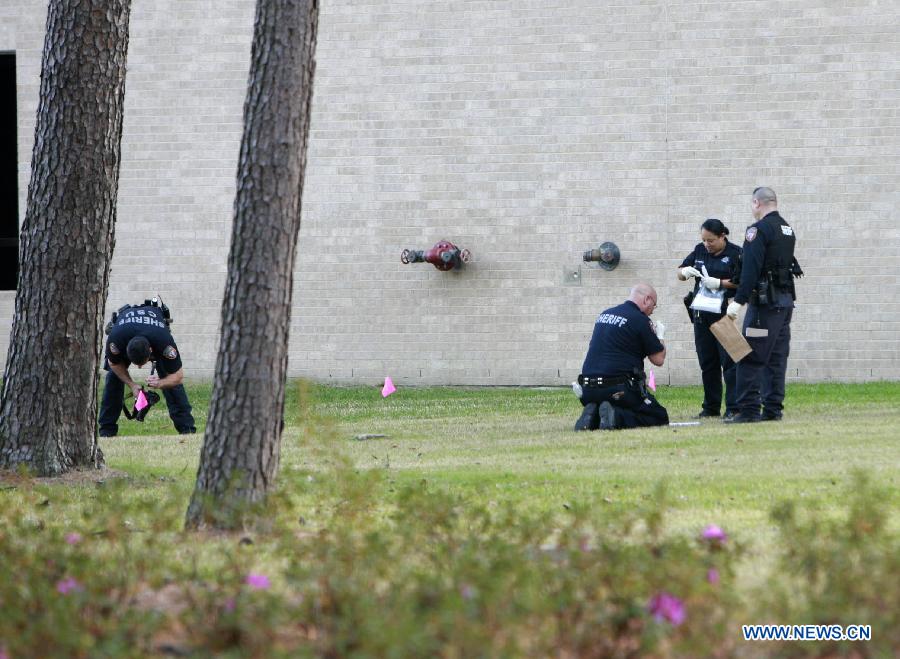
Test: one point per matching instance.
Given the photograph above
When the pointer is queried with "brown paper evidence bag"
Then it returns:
(727, 333)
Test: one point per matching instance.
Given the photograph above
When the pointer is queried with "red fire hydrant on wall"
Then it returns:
(443, 256)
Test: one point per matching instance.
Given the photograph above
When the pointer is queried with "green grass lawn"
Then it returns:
(518, 444)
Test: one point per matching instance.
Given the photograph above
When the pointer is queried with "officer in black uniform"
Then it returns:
(767, 284)
(612, 385)
(722, 263)
(138, 334)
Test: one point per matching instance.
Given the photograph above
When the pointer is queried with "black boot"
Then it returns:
(608, 419)
(741, 418)
(590, 418)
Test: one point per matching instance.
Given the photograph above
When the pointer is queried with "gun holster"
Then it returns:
(761, 294)
(639, 381)
(687, 305)
(138, 415)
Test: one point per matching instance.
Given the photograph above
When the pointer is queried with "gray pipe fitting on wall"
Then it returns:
(606, 256)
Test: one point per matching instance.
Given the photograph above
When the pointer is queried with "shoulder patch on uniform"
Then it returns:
(114, 349)
(751, 234)
(786, 230)
(170, 352)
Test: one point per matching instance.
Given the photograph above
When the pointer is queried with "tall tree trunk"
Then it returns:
(241, 447)
(48, 409)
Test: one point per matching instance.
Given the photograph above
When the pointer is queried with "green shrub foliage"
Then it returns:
(348, 564)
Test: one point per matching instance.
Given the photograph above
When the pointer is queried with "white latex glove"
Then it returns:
(577, 390)
(711, 283)
(689, 272)
(733, 309)
(660, 329)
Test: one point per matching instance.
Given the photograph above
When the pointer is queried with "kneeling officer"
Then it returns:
(138, 334)
(612, 386)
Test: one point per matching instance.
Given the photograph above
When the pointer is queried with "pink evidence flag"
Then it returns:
(651, 381)
(388, 388)
(141, 402)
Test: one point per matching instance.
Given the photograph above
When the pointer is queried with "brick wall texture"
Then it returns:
(528, 132)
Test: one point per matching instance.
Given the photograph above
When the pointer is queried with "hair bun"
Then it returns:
(716, 226)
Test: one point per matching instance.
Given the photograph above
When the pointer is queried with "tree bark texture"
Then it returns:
(48, 409)
(241, 447)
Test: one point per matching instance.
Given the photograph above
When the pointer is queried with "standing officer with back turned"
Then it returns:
(767, 284)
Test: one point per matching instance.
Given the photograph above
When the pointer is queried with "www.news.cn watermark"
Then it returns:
(807, 632)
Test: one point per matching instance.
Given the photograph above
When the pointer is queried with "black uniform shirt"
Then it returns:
(622, 338)
(722, 266)
(147, 322)
(757, 238)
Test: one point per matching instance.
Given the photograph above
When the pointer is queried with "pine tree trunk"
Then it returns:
(48, 409)
(241, 447)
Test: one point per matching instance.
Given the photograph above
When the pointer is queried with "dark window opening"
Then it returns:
(9, 175)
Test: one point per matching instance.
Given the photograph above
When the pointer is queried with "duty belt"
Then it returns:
(602, 381)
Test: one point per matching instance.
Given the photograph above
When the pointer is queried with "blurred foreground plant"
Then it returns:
(348, 563)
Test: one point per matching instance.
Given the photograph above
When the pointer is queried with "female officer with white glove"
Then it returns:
(722, 262)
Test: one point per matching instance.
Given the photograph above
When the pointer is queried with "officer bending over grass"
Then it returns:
(139, 334)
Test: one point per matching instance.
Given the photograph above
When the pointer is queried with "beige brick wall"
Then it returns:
(527, 132)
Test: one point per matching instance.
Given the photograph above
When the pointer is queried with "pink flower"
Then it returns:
(3, 654)
(665, 606)
(229, 604)
(714, 533)
(67, 585)
(257, 581)
(73, 538)
(712, 576)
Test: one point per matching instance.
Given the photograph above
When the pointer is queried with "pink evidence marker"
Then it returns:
(141, 402)
(651, 381)
(388, 388)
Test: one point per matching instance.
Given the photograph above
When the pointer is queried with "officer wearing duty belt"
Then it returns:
(767, 287)
(721, 261)
(137, 335)
(612, 386)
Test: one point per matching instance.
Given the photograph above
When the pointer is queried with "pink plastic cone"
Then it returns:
(651, 381)
(141, 402)
(388, 388)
